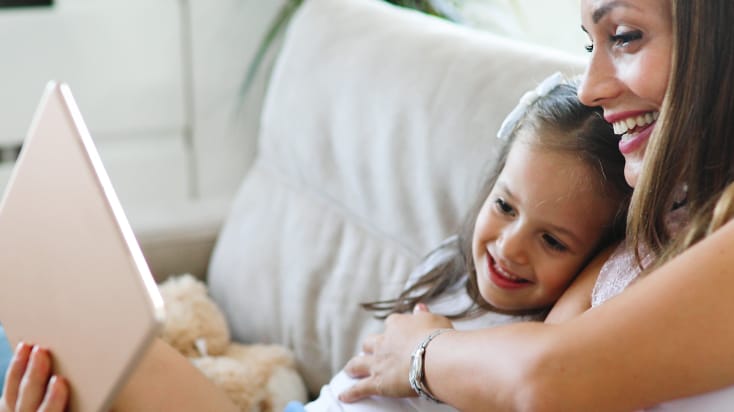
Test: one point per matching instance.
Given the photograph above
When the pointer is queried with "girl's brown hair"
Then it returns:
(557, 122)
(692, 146)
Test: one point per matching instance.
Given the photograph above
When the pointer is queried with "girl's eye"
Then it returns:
(504, 207)
(554, 243)
(625, 38)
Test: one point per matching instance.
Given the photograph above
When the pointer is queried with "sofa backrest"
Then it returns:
(378, 127)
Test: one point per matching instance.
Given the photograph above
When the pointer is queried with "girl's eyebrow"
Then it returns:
(503, 188)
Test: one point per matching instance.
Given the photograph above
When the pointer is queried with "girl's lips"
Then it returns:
(502, 281)
(630, 144)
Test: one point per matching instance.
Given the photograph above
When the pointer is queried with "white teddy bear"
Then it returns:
(257, 377)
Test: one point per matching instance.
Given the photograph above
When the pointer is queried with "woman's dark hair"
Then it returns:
(558, 122)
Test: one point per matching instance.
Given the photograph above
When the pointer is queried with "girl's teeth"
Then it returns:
(507, 275)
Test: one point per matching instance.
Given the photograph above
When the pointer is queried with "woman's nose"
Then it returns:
(599, 82)
(513, 246)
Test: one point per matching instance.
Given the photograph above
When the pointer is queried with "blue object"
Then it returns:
(294, 407)
(6, 353)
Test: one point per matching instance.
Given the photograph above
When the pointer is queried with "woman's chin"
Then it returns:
(632, 169)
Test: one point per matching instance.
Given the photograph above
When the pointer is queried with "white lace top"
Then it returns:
(622, 268)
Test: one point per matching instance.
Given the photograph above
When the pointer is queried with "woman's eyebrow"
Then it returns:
(599, 13)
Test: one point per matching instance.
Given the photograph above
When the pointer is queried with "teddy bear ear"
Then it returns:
(194, 324)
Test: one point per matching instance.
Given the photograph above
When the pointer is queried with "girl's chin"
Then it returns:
(505, 305)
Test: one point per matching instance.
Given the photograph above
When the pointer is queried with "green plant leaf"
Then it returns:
(276, 28)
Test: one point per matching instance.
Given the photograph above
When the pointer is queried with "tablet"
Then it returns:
(73, 278)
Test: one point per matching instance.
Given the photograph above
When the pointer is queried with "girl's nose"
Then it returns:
(599, 82)
(513, 245)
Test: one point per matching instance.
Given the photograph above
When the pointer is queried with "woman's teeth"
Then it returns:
(626, 125)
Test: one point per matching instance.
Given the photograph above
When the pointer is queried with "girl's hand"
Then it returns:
(30, 385)
(384, 366)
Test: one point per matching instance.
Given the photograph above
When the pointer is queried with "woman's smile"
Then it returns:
(634, 129)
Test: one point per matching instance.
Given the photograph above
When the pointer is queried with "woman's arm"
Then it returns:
(670, 335)
(577, 298)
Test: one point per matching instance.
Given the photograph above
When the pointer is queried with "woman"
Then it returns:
(668, 336)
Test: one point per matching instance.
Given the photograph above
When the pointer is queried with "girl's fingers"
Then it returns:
(15, 372)
(35, 380)
(57, 395)
(420, 307)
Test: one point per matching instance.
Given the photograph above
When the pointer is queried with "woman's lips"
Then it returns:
(502, 281)
(631, 142)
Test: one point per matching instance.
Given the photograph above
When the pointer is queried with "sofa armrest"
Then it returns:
(180, 238)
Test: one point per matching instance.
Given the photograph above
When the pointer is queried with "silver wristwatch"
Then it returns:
(416, 376)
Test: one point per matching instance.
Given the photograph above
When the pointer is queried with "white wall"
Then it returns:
(554, 23)
(149, 86)
(157, 83)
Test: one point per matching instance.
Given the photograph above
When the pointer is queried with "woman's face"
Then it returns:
(631, 45)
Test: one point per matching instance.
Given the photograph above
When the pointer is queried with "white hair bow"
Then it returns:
(545, 87)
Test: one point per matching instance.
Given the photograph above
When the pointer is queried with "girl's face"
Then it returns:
(536, 229)
(631, 44)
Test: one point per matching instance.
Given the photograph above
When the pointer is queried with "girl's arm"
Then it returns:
(669, 335)
(577, 298)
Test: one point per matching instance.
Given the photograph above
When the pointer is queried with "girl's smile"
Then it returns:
(502, 277)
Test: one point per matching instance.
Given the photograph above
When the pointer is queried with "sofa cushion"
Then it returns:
(378, 126)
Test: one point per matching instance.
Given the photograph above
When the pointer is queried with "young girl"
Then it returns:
(557, 195)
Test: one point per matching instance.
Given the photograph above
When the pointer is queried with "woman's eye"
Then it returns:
(504, 207)
(625, 38)
(554, 243)
(589, 47)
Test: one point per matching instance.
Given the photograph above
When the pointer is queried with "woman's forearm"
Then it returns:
(487, 369)
(669, 336)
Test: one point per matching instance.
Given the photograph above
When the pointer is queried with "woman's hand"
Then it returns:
(384, 366)
(30, 385)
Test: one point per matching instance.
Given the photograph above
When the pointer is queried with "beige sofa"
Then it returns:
(378, 125)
